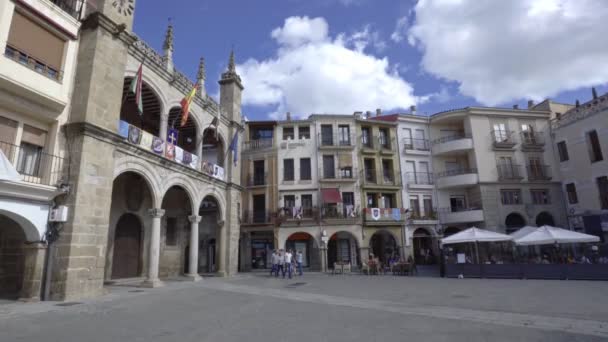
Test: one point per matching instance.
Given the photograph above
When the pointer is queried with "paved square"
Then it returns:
(317, 307)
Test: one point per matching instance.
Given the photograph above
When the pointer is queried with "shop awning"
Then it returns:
(331, 195)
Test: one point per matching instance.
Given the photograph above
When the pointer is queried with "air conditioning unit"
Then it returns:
(59, 214)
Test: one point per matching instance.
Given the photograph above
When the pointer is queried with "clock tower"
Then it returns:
(79, 253)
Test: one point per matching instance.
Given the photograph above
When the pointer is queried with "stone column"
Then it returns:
(323, 250)
(33, 272)
(193, 257)
(199, 148)
(223, 245)
(164, 122)
(154, 251)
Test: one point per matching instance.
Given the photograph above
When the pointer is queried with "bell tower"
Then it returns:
(78, 255)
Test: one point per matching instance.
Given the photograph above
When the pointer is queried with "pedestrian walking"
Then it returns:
(287, 259)
(299, 260)
(275, 263)
(281, 264)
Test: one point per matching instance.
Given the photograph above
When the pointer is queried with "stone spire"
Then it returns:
(200, 78)
(230, 74)
(168, 48)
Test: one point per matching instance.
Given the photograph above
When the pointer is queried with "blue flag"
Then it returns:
(234, 145)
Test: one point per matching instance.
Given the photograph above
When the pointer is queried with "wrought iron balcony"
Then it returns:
(420, 178)
(22, 57)
(343, 174)
(456, 172)
(258, 144)
(532, 140)
(257, 179)
(258, 218)
(416, 144)
(336, 140)
(502, 139)
(377, 143)
(416, 215)
(537, 172)
(457, 136)
(384, 215)
(388, 177)
(335, 213)
(509, 172)
(34, 165)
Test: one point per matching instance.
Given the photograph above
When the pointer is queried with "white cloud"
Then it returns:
(400, 30)
(501, 51)
(315, 73)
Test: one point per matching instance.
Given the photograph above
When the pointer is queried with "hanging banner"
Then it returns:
(376, 213)
(179, 154)
(170, 152)
(158, 145)
(218, 172)
(123, 129)
(397, 214)
(134, 135)
(172, 135)
(194, 162)
(146, 140)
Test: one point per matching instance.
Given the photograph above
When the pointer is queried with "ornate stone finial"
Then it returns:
(230, 74)
(201, 75)
(168, 44)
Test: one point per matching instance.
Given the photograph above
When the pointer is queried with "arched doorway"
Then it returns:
(175, 231)
(213, 147)
(544, 219)
(514, 222)
(186, 134)
(450, 231)
(305, 243)
(384, 246)
(342, 247)
(12, 258)
(127, 247)
(209, 235)
(424, 247)
(131, 200)
(149, 120)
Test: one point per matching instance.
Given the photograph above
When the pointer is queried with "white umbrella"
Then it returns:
(7, 170)
(523, 231)
(475, 235)
(547, 235)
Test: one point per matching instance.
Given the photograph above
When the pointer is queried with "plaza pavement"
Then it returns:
(317, 307)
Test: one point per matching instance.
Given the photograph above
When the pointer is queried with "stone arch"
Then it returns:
(127, 248)
(335, 252)
(545, 218)
(431, 232)
(514, 221)
(214, 136)
(220, 205)
(152, 105)
(135, 165)
(188, 136)
(381, 246)
(217, 196)
(29, 229)
(424, 245)
(186, 183)
(131, 72)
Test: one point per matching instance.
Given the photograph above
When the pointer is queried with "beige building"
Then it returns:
(580, 148)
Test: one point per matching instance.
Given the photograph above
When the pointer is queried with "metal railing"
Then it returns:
(35, 166)
(420, 178)
(532, 138)
(334, 213)
(287, 214)
(385, 215)
(456, 172)
(338, 174)
(427, 215)
(72, 7)
(370, 176)
(451, 138)
(470, 207)
(377, 143)
(258, 144)
(538, 172)
(336, 140)
(258, 217)
(257, 179)
(506, 172)
(22, 57)
(502, 138)
(416, 144)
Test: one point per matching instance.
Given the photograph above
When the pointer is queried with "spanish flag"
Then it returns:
(186, 101)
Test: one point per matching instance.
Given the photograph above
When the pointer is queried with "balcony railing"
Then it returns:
(532, 139)
(22, 57)
(538, 172)
(509, 172)
(416, 144)
(420, 178)
(456, 172)
(384, 215)
(502, 139)
(338, 174)
(72, 7)
(370, 176)
(258, 144)
(336, 140)
(426, 216)
(335, 213)
(35, 165)
(450, 138)
(258, 217)
(470, 207)
(378, 143)
(293, 215)
(257, 179)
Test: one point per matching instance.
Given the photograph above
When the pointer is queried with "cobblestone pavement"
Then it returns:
(317, 307)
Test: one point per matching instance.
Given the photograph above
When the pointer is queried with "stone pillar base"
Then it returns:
(221, 274)
(152, 283)
(193, 277)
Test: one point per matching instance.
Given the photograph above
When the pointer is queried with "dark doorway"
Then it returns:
(259, 208)
(423, 247)
(126, 262)
(514, 222)
(544, 218)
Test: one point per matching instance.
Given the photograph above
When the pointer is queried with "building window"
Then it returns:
(540, 196)
(457, 203)
(305, 169)
(346, 172)
(344, 135)
(571, 191)
(415, 206)
(288, 169)
(602, 187)
(289, 202)
(171, 232)
(33, 141)
(593, 145)
(366, 137)
(387, 170)
(348, 200)
(304, 132)
(427, 201)
(327, 138)
(372, 200)
(329, 170)
(307, 205)
(383, 138)
(562, 149)
(288, 133)
(510, 196)
(388, 201)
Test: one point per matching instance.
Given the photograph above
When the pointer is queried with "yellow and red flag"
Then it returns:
(186, 101)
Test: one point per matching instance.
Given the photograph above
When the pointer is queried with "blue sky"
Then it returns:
(338, 56)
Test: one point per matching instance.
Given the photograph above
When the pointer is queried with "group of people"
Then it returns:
(285, 262)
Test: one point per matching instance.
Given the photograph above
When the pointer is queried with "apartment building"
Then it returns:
(580, 147)
(494, 168)
(37, 68)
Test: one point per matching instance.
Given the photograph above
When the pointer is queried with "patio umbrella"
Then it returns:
(548, 235)
(475, 235)
(523, 231)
